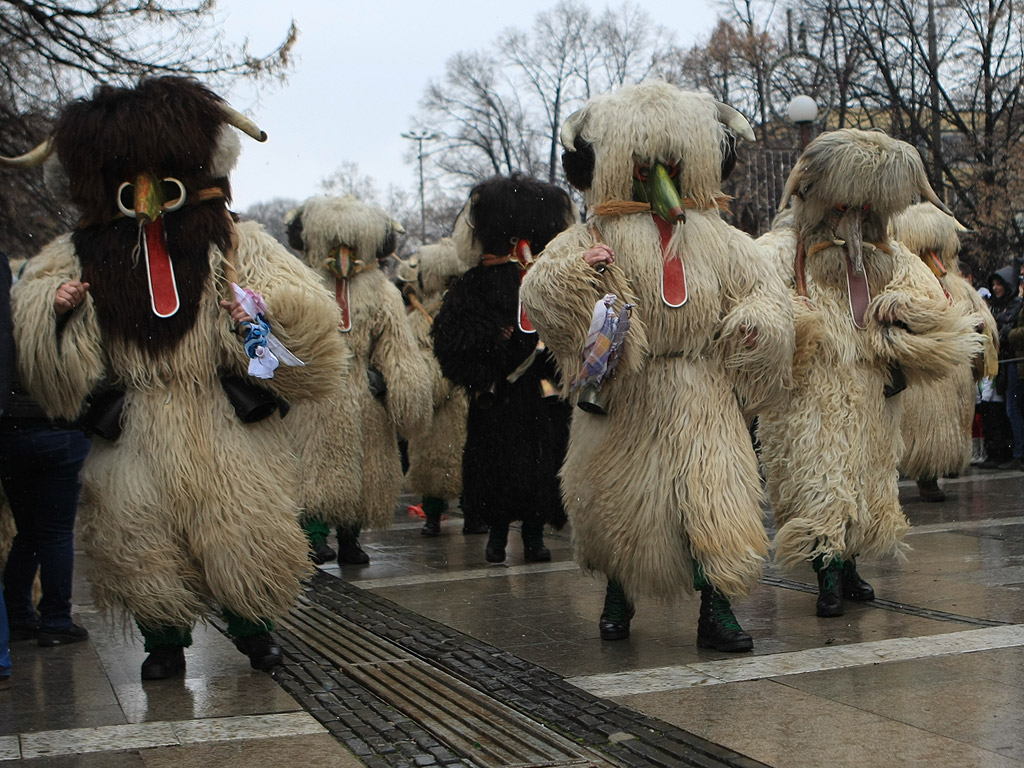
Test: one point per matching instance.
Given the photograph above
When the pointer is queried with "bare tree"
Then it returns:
(502, 112)
(53, 51)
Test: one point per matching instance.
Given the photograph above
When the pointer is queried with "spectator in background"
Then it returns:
(39, 465)
(6, 373)
(1005, 304)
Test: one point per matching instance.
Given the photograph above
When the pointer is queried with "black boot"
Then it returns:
(854, 587)
(928, 489)
(164, 662)
(534, 550)
(349, 551)
(264, 654)
(617, 613)
(320, 552)
(433, 508)
(830, 588)
(717, 627)
(496, 541)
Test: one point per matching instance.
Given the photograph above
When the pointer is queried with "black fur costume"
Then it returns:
(516, 439)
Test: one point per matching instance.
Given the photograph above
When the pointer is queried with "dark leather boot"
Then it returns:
(830, 590)
(433, 508)
(496, 541)
(320, 552)
(164, 662)
(617, 613)
(928, 489)
(534, 550)
(264, 654)
(349, 551)
(717, 627)
(854, 587)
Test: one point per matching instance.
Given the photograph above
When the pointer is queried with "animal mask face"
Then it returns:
(613, 137)
(848, 184)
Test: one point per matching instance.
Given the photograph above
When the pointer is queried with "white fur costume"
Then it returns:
(189, 506)
(380, 338)
(669, 476)
(830, 451)
(435, 451)
(938, 413)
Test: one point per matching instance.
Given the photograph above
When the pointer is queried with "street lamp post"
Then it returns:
(803, 111)
(419, 137)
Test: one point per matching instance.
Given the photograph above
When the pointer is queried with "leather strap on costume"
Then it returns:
(409, 292)
(626, 207)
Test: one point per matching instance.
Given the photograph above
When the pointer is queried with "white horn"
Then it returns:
(734, 120)
(243, 123)
(570, 128)
(30, 159)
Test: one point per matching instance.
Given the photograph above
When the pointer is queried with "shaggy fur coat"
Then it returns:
(379, 339)
(435, 451)
(515, 437)
(938, 413)
(668, 478)
(830, 451)
(189, 507)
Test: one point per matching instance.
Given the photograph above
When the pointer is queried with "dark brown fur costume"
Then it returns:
(167, 127)
(515, 439)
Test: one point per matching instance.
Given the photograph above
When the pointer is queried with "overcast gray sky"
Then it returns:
(362, 67)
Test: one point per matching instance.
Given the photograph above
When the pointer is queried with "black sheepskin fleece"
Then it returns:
(517, 207)
(515, 439)
(166, 126)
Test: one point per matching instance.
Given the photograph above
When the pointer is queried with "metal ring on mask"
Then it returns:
(130, 212)
(177, 203)
(165, 208)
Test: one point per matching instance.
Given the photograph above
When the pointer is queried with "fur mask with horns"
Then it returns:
(322, 227)
(849, 183)
(617, 138)
(147, 168)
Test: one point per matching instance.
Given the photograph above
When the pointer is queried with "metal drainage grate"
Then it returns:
(472, 724)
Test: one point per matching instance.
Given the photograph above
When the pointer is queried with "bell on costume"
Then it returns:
(592, 401)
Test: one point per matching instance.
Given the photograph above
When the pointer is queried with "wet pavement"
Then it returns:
(431, 656)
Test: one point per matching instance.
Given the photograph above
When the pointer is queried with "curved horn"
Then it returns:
(30, 159)
(570, 128)
(929, 194)
(734, 120)
(243, 123)
(791, 184)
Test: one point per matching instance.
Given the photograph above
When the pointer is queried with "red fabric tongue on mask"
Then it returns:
(341, 295)
(673, 276)
(163, 290)
(860, 294)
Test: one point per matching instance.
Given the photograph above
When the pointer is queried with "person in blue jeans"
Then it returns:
(39, 466)
(6, 376)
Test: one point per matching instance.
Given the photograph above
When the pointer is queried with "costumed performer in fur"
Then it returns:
(515, 434)
(342, 239)
(131, 323)
(870, 317)
(435, 452)
(661, 480)
(938, 413)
